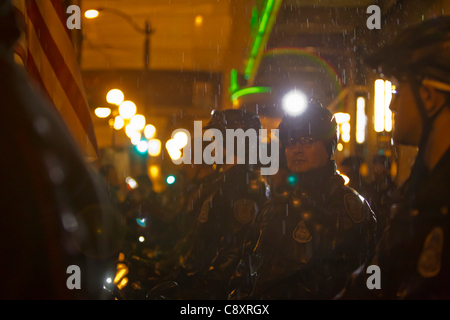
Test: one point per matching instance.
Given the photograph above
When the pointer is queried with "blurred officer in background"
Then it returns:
(55, 213)
(414, 255)
(233, 201)
(351, 167)
(305, 244)
(381, 191)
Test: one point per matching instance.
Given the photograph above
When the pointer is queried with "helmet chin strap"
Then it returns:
(426, 120)
(419, 169)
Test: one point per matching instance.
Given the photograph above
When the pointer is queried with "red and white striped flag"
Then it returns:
(48, 55)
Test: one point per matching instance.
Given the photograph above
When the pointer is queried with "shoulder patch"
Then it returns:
(301, 233)
(204, 212)
(429, 264)
(355, 207)
(245, 211)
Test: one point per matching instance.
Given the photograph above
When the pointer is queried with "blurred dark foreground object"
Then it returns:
(54, 213)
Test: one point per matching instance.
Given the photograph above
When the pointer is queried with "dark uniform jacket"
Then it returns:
(304, 244)
(223, 220)
(380, 194)
(413, 255)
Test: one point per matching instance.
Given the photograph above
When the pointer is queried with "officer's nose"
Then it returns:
(298, 148)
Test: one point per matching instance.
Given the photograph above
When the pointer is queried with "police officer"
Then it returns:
(305, 243)
(57, 223)
(234, 200)
(413, 255)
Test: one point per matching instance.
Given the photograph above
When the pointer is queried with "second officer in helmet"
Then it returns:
(224, 215)
(305, 243)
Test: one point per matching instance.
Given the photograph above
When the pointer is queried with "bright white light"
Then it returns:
(135, 138)
(102, 112)
(170, 179)
(174, 154)
(130, 131)
(346, 127)
(342, 117)
(154, 147)
(127, 110)
(150, 131)
(142, 146)
(91, 14)
(387, 103)
(131, 182)
(346, 137)
(119, 123)
(361, 120)
(171, 144)
(379, 105)
(115, 96)
(181, 140)
(141, 239)
(109, 280)
(138, 122)
(294, 103)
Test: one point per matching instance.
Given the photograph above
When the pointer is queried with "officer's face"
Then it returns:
(408, 123)
(304, 157)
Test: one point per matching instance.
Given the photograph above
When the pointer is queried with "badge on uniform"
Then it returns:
(245, 211)
(301, 233)
(429, 264)
(354, 207)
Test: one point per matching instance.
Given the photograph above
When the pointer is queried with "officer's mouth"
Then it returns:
(299, 161)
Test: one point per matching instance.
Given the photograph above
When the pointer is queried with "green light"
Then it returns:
(251, 90)
(171, 180)
(261, 33)
(292, 180)
(254, 21)
(265, 17)
(141, 222)
(234, 81)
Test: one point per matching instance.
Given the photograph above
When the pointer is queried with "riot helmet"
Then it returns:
(235, 119)
(315, 122)
(419, 55)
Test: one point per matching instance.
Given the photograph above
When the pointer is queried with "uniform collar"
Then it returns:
(317, 178)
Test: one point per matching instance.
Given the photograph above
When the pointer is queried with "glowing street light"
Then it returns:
(138, 122)
(136, 138)
(361, 121)
(131, 183)
(103, 112)
(346, 132)
(127, 110)
(130, 130)
(149, 131)
(91, 14)
(142, 146)
(170, 180)
(342, 117)
(115, 96)
(294, 103)
(198, 21)
(181, 139)
(154, 147)
(387, 103)
(119, 123)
